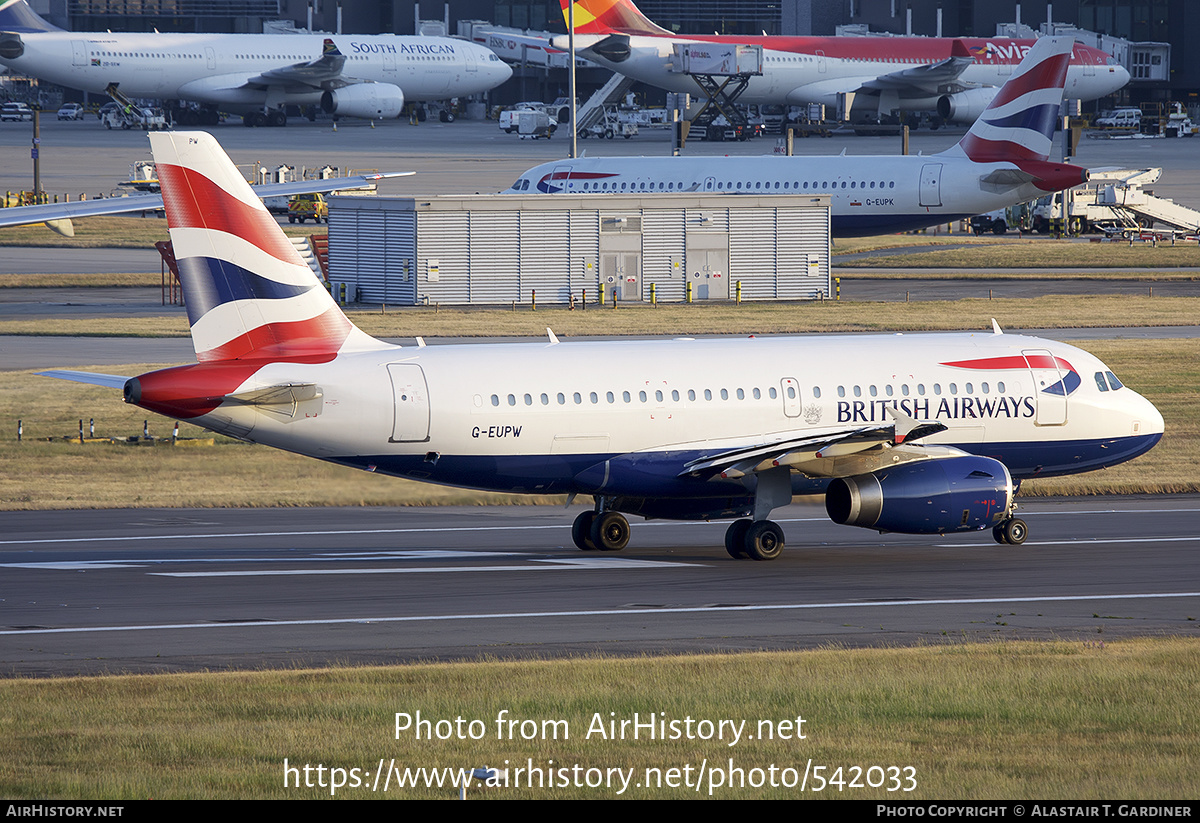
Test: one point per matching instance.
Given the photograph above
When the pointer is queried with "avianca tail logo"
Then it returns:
(556, 181)
(607, 16)
(1065, 379)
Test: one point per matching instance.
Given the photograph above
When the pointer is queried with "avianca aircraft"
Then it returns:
(922, 434)
(1002, 160)
(955, 77)
(255, 75)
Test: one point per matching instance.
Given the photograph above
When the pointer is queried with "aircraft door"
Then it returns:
(820, 62)
(211, 56)
(79, 56)
(790, 389)
(469, 56)
(931, 184)
(411, 396)
(710, 184)
(1049, 387)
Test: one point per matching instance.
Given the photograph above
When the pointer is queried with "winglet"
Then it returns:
(553, 337)
(959, 49)
(996, 327)
(330, 49)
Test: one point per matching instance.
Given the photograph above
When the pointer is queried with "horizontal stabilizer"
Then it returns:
(1006, 179)
(283, 394)
(113, 381)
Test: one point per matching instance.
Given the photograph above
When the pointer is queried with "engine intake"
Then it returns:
(926, 497)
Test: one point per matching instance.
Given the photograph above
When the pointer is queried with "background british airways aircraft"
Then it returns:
(255, 75)
(921, 434)
(1002, 160)
(955, 77)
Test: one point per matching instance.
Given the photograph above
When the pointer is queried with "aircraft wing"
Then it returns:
(50, 212)
(846, 451)
(318, 73)
(929, 78)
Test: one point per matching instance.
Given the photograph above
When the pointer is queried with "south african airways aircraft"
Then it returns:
(956, 77)
(1002, 160)
(255, 75)
(921, 434)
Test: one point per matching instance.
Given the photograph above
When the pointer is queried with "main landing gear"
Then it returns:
(606, 531)
(758, 540)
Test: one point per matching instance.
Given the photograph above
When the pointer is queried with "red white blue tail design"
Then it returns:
(249, 294)
(1019, 123)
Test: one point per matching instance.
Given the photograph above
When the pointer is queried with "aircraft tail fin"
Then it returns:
(1019, 123)
(249, 294)
(611, 17)
(18, 16)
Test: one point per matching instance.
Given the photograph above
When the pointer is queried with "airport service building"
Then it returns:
(500, 249)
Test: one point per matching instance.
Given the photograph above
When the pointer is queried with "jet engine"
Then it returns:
(11, 45)
(949, 494)
(965, 106)
(374, 101)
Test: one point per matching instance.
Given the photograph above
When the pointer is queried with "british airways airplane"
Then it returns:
(1002, 160)
(956, 77)
(921, 434)
(255, 75)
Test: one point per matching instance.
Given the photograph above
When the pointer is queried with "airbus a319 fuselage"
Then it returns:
(924, 434)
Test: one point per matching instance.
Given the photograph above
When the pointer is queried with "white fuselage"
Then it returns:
(536, 417)
(208, 68)
(798, 77)
(868, 195)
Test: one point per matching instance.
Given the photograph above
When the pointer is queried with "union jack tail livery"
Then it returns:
(249, 294)
(611, 16)
(1019, 123)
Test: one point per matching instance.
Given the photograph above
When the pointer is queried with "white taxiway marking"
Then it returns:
(437, 529)
(608, 613)
(548, 564)
(319, 557)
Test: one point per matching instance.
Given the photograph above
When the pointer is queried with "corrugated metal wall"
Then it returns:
(462, 251)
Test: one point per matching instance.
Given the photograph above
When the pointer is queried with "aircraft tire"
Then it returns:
(735, 537)
(610, 531)
(998, 534)
(1015, 531)
(764, 540)
(581, 531)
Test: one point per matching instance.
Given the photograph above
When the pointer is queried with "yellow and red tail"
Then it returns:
(611, 17)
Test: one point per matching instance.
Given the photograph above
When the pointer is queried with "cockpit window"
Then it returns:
(1113, 381)
(1100, 384)
(517, 185)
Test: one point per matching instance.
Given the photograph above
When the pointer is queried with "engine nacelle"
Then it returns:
(926, 497)
(966, 106)
(374, 101)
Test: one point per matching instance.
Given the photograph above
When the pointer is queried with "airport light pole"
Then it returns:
(571, 73)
